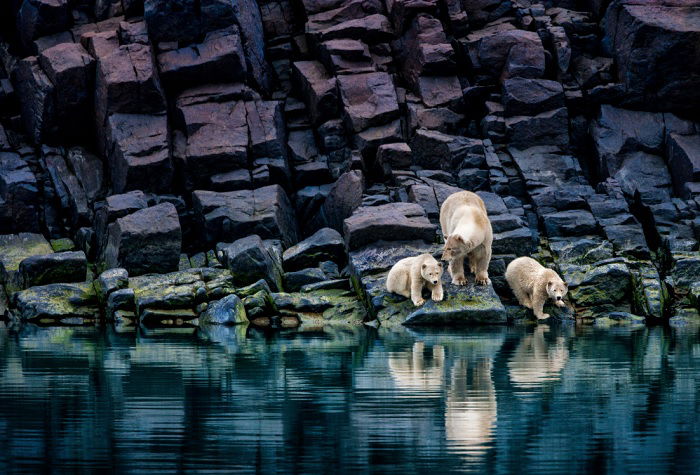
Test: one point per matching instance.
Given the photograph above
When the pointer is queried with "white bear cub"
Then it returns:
(410, 275)
(533, 284)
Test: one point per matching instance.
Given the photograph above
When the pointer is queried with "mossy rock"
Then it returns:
(686, 270)
(14, 248)
(57, 302)
(62, 245)
(602, 284)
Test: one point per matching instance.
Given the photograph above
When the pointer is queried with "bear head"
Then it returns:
(556, 289)
(431, 270)
(456, 246)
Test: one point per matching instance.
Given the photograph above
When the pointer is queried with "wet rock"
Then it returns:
(390, 222)
(148, 240)
(225, 216)
(53, 268)
(120, 300)
(219, 58)
(56, 302)
(523, 96)
(605, 283)
(249, 260)
(110, 281)
(295, 280)
(15, 248)
(685, 270)
(324, 245)
(227, 311)
(369, 99)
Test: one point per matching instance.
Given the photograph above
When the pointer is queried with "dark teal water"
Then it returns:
(533, 400)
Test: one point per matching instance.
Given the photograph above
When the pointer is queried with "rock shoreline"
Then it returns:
(203, 162)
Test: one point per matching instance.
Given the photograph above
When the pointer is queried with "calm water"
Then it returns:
(490, 400)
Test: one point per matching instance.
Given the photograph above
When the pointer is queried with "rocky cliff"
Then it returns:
(171, 161)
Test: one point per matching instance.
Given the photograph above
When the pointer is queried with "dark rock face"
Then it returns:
(207, 145)
(148, 240)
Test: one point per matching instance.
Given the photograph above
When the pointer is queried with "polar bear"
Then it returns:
(533, 284)
(410, 275)
(467, 230)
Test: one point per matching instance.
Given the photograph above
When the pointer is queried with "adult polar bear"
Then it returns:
(467, 231)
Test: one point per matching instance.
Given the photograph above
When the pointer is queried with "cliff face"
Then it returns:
(204, 139)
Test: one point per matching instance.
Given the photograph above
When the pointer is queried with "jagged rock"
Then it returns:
(603, 284)
(127, 82)
(227, 311)
(226, 216)
(684, 162)
(390, 222)
(57, 302)
(685, 270)
(644, 174)
(372, 29)
(439, 90)
(123, 300)
(110, 281)
(172, 20)
(343, 198)
(505, 53)
(36, 94)
(657, 50)
(617, 132)
(317, 88)
(267, 130)
(424, 50)
(53, 268)
(295, 280)
(71, 195)
(436, 150)
(219, 58)
(523, 96)
(570, 223)
(345, 56)
(148, 240)
(216, 133)
(15, 248)
(37, 18)
(395, 156)
(138, 152)
(88, 169)
(19, 195)
(369, 99)
(324, 245)
(547, 128)
(249, 260)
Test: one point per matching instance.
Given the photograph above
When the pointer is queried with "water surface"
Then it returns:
(531, 399)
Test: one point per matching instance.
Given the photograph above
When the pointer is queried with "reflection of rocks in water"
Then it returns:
(537, 360)
(470, 409)
(418, 369)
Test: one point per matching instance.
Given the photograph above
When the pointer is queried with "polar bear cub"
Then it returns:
(533, 284)
(467, 230)
(410, 275)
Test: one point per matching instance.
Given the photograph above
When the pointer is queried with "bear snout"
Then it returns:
(558, 297)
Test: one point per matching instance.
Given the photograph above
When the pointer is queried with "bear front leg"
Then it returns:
(417, 293)
(480, 258)
(437, 292)
(538, 305)
(456, 269)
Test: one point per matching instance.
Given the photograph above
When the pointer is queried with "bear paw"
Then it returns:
(437, 296)
(482, 279)
(419, 301)
(544, 316)
(560, 303)
(459, 280)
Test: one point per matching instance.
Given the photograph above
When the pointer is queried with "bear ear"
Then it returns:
(424, 265)
(458, 238)
(549, 285)
(566, 286)
(440, 265)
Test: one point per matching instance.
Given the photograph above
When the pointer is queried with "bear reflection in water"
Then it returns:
(536, 360)
(470, 396)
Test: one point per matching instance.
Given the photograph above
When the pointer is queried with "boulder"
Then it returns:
(148, 240)
(394, 156)
(295, 280)
(369, 99)
(172, 20)
(53, 268)
(15, 248)
(249, 21)
(110, 281)
(324, 245)
(607, 283)
(684, 162)
(267, 129)
(505, 53)
(317, 88)
(570, 223)
(219, 58)
(74, 303)
(547, 128)
(68, 190)
(389, 222)
(424, 50)
(343, 198)
(36, 95)
(435, 150)
(138, 153)
(37, 18)
(249, 260)
(656, 46)
(522, 96)
(439, 90)
(225, 216)
(19, 195)
(227, 311)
